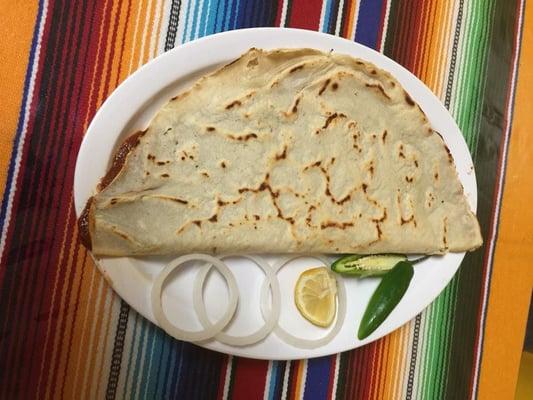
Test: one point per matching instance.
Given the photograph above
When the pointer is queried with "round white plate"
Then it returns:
(131, 107)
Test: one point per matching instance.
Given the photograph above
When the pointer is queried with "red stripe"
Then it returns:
(305, 14)
(382, 23)
(331, 381)
(495, 213)
(277, 21)
(222, 379)
(249, 379)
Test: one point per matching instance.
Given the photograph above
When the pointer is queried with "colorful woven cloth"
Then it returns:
(65, 334)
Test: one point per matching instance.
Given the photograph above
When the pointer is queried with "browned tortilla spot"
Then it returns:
(382, 218)
(450, 158)
(335, 86)
(294, 69)
(165, 175)
(197, 223)
(283, 154)
(384, 136)
(409, 179)
(214, 218)
(408, 99)
(84, 223)
(324, 87)
(244, 138)
(119, 159)
(233, 104)
(210, 128)
(378, 87)
(335, 224)
(295, 107)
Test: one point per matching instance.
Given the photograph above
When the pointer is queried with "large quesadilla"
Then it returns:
(291, 150)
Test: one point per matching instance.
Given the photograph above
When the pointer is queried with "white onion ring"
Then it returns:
(271, 318)
(213, 329)
(309, 343)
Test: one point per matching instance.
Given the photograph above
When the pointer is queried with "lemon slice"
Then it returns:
(315, 296)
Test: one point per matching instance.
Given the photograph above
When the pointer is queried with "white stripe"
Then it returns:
(206, 25)
(153, 39)
(304, 379)
(339, 18)
(227, 378)
(164, 27)
(190, 11)
(322, 15)
(147, 19)
(198, 18)
(385, 27)
(283, 19)
(286, 379)
(499, 191)
(18, 154)
(134, 41)
(336, 375)
(266, 395)
(180, 34)
(355, 18)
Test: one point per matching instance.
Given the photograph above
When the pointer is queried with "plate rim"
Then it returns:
(398, 69)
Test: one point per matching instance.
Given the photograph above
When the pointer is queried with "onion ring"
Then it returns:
(271, 318)
(309, 343)
(213, 329)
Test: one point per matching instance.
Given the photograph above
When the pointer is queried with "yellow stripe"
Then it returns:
(512, 275)
(16, 30)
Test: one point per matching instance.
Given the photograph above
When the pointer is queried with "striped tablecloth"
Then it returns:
(63, 331)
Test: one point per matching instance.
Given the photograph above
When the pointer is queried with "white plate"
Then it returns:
(130, 108)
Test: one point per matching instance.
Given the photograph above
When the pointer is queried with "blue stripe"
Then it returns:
(187, 13)
(327, 15)
(273, 380)
(136, 369)
(368, 22)
(317, 381)
(22, 116)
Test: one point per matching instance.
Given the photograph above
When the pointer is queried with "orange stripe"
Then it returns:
(16, 30)
(350, 21)
(512, 275)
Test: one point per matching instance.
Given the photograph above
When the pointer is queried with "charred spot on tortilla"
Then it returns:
(408, 99)
(297, 68)
(210, 129)
(324, 86)
(282, 155)
(379, 88)
(233, 104)
(86, 224)
(119, 159)
(384, 136)
(334, 86)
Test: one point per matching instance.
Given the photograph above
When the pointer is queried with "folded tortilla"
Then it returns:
(291, 150)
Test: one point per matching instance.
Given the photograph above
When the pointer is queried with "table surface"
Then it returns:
(65, 334)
